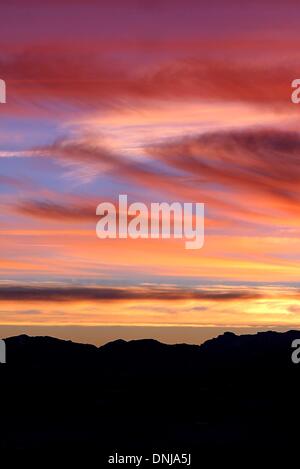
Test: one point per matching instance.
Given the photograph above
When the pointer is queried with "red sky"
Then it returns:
(164, 101)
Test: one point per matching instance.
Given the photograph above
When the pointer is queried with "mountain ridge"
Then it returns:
(232, 393)
(226, 347)
(226, 334)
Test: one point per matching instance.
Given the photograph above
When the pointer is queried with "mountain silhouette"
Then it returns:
(231, 394)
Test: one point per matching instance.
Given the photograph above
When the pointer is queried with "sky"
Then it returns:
(162, 101)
